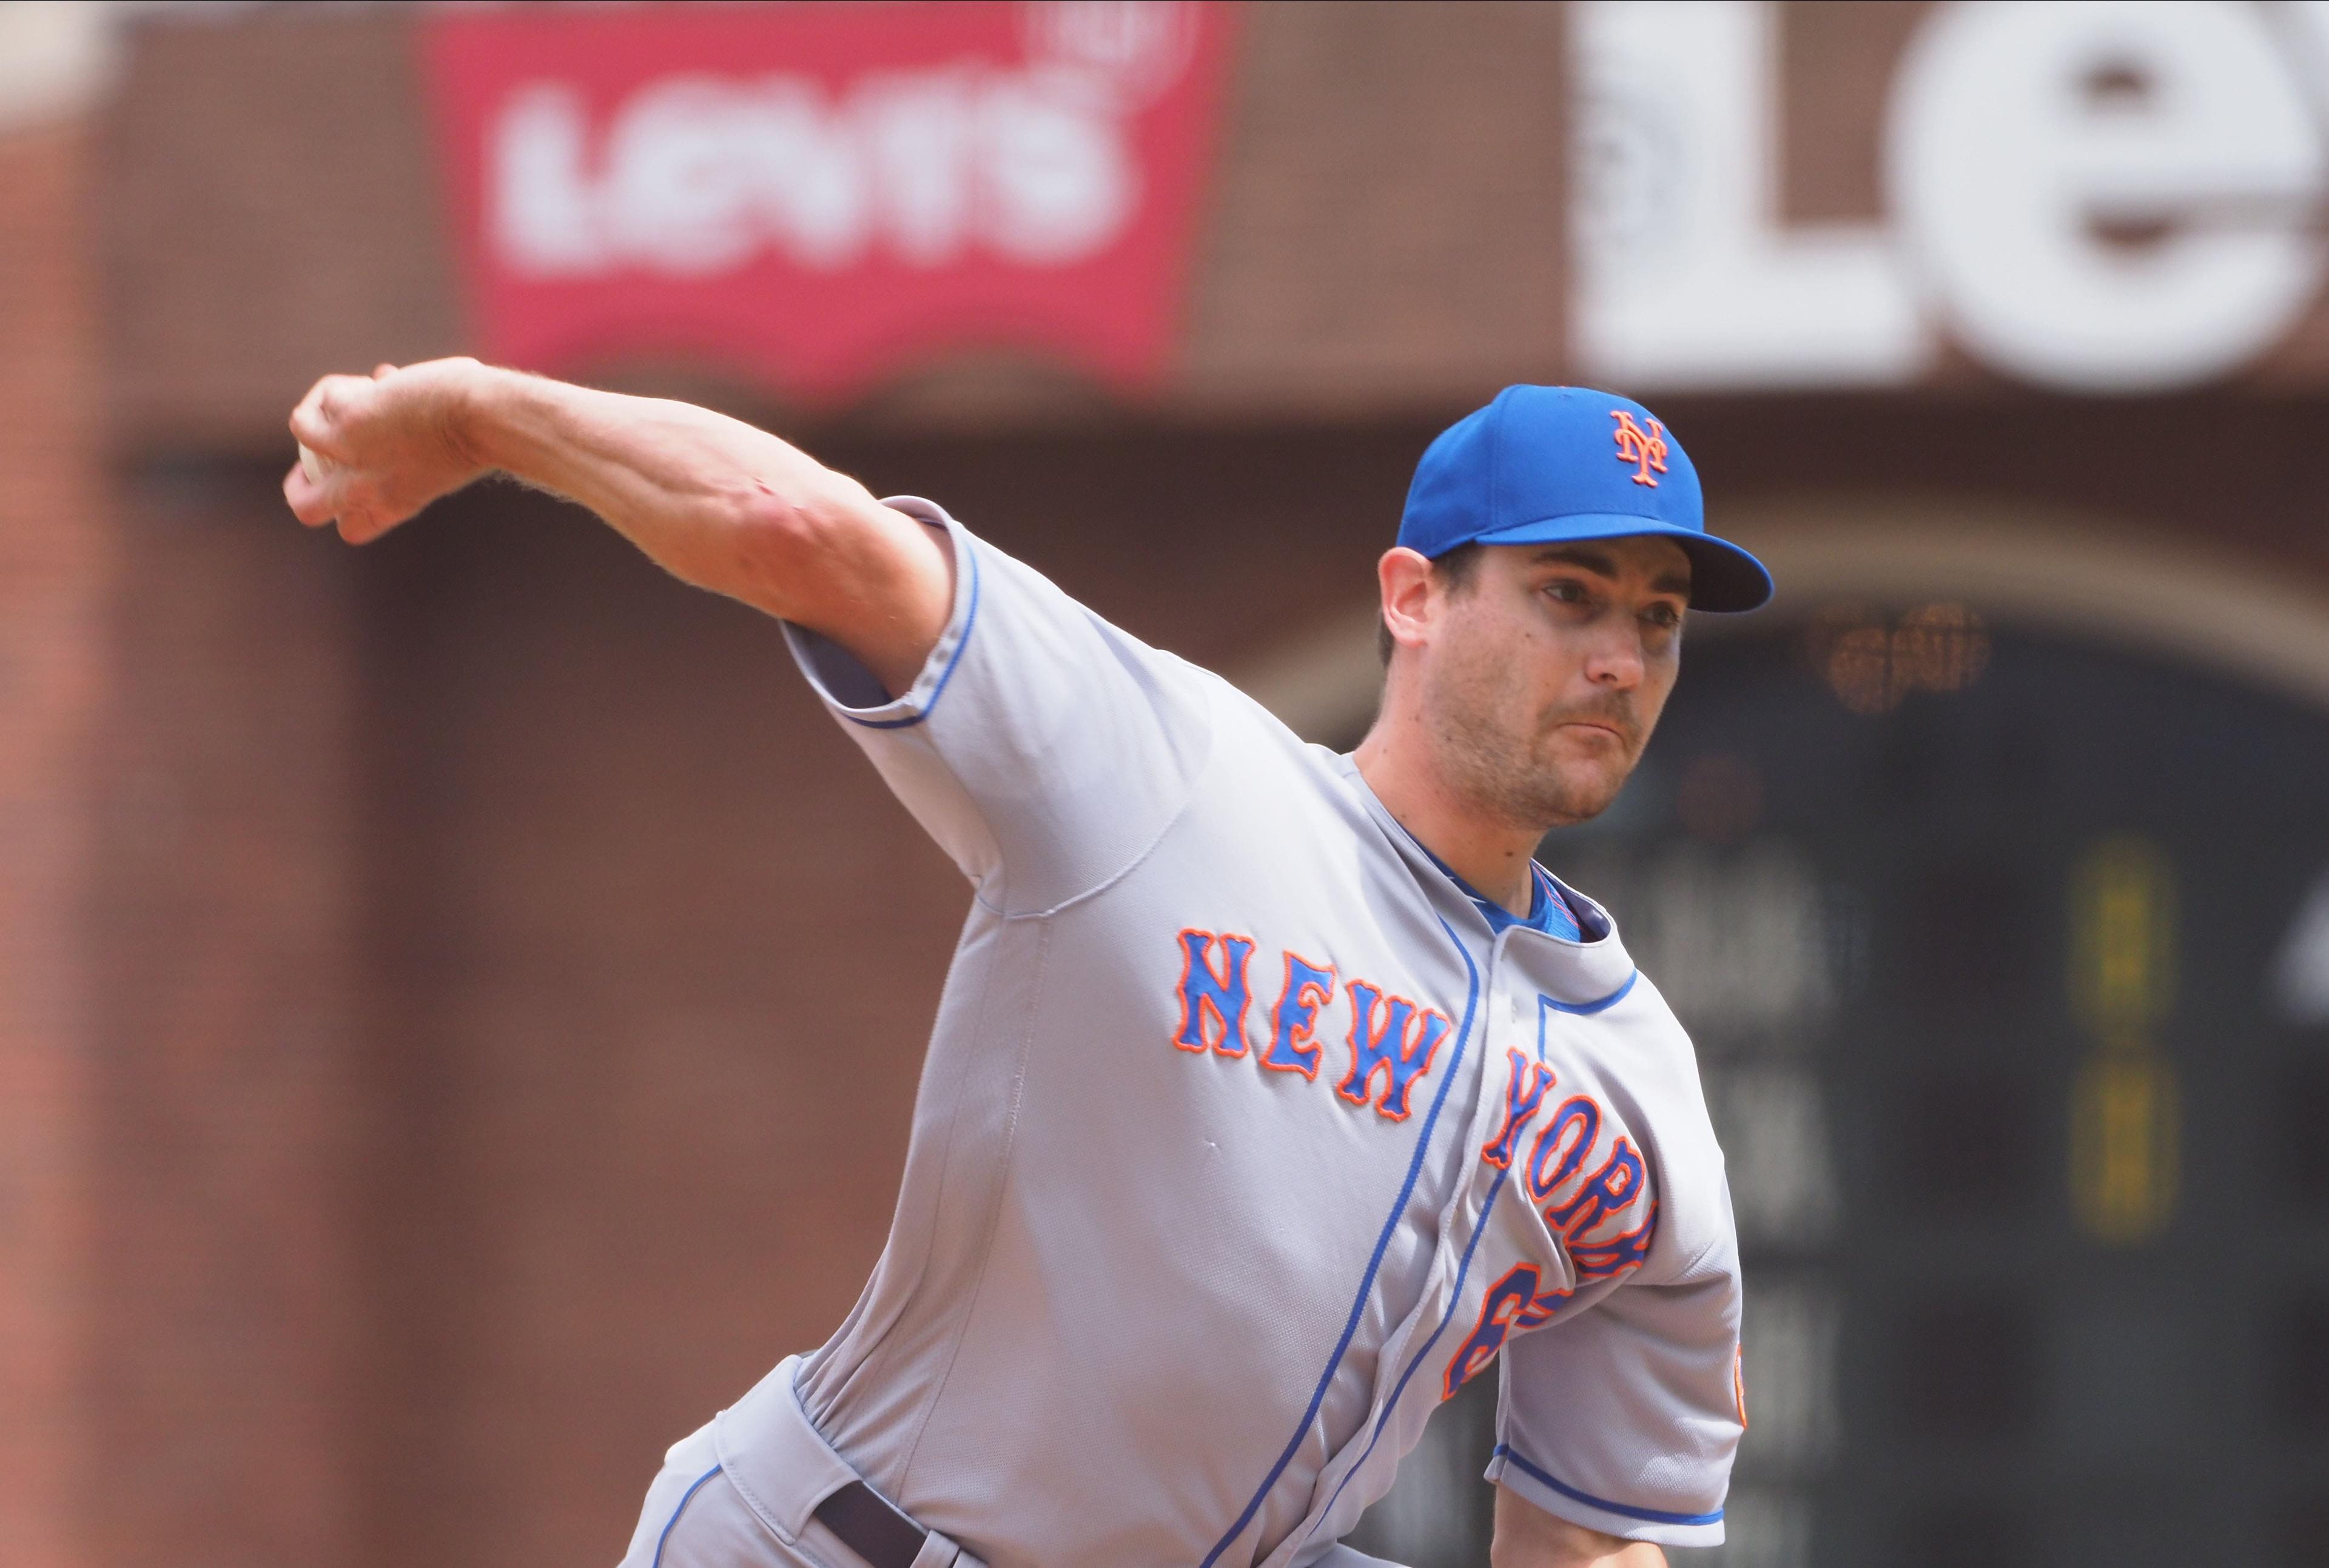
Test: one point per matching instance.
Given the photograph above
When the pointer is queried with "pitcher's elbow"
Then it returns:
(779, 545)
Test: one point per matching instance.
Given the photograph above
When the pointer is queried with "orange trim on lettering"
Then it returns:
(1317, 996)
(1237, 949)
(1362, 1018)
(1520, 1104)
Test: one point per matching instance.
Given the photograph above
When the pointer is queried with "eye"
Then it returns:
(1664, 617)
(1567, 590)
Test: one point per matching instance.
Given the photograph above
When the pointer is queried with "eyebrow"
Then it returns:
(1601, 565)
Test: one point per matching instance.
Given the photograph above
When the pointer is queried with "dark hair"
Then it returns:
(1454, 569)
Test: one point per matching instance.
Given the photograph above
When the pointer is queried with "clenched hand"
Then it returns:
(391, 444)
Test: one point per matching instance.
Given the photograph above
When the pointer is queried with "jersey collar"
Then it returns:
(1573, 973)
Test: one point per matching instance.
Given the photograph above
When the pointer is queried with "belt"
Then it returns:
(868, 1526)
(788, 1474)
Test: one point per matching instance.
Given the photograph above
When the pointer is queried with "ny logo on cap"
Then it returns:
(1644, 450)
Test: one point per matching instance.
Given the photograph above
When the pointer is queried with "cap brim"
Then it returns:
(1723, 577)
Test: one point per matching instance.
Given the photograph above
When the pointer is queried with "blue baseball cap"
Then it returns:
(1544, 465)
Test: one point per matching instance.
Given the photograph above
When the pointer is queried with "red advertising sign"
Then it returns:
(819, 195)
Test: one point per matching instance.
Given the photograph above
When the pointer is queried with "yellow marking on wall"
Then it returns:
(2126, 1144)
(2123, 938)
(2125, 1114)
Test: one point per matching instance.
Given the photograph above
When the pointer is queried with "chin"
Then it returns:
(1565, 808)
(1577, 793)
(1577, 814)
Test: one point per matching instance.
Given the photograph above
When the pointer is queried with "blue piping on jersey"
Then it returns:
(969, 619)
(1367, 1282)
(1455, 1299)
(1586, 1009)
(675, 1512)
(1649, 1515)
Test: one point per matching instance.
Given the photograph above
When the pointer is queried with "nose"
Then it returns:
(1616, 660)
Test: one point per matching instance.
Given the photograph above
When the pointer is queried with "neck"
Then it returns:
(1490, 854)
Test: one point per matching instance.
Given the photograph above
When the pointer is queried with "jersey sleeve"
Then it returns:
(1625, 1418)
(1045, 749)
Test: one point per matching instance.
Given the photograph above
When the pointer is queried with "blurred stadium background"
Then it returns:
(459, 1003)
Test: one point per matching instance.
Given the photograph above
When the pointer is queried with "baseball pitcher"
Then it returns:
(1274, 1093)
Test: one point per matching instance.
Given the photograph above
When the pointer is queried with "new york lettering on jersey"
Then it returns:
(1603, 1220)
(1392, 1040)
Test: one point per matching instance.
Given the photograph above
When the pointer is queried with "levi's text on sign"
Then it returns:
(818, 196)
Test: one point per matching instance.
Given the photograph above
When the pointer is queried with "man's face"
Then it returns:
(1545, 671)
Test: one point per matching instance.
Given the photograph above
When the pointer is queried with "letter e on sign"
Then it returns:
(2112, 196)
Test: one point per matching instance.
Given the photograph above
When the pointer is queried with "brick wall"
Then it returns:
(55, 561)
(180, 1149)
(223, 1036)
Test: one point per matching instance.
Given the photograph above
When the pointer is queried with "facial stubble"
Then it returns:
(1503, 759)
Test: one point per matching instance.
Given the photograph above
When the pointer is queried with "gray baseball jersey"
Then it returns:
(1243, 1140)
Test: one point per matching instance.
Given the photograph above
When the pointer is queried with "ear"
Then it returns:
(1408, 601)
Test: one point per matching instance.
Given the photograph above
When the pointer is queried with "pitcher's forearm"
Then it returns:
(713, 500)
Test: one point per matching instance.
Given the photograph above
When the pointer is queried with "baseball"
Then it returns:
(313, 465)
